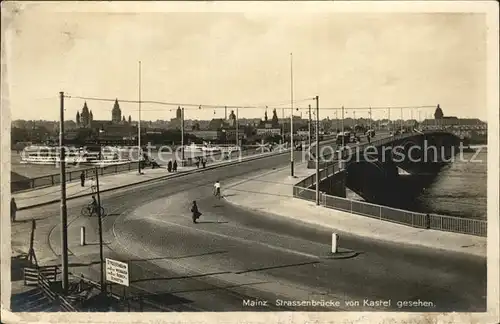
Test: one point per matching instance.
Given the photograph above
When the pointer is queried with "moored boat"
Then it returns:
(40, 154)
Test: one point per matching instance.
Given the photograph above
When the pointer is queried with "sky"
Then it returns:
(243, 59)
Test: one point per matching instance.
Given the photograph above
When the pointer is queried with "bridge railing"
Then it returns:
(404, 217)
(305, 190)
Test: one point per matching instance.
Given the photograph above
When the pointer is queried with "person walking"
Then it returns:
(82, 178)
(175, 166)
(204, 163)
(217, 189)
(197, 163)
(169, 166)
(13, 209)
(195, 212)
(93, 185)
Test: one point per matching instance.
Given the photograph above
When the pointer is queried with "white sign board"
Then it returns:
(117, 272)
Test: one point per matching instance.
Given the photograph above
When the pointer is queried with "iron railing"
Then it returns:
(54, 179)
(304, 189)
(469, 226)
(45, 277)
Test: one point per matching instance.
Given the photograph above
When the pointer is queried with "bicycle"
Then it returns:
(88, 211)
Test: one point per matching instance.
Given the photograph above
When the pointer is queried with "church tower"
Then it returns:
(232, 119)
(116, 113)
(85, 116)
(438, 114)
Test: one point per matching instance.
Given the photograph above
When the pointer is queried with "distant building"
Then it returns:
(208, 135)
(232, 119)
(453, 121)
(176, 123)
(116, 130)
(268, 131)
(217, 124)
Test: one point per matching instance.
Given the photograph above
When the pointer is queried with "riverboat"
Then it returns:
(205, 148)
(39, 154)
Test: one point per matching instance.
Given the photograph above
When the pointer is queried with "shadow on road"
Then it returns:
(277, 267)
(212, 222)
(177, 257)
(220, 288)
(182, 277)
(84, 264)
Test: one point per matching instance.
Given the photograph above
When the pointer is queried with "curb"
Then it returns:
(377, 238)
(166, 177)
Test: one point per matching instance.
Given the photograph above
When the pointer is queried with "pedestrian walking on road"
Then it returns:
(204, 163)
(175, 166)
(93, 185)
(197, 163)
(196, 213)
(82, 178)
(169, 166)
(13, 209)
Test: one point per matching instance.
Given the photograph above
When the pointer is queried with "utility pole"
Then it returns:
(225, 112)
(342, 128)
(182, 133)
(317, 149)
(101, 254)
(354, 117)
(336, 121)
(283, 124)
(139, 124)
(64, 215)
(237, 138)
(291, 116)
(310, 130)
(389, 119)
(370, 112)
(401, 120)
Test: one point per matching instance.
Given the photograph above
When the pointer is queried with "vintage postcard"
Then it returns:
(250, 162)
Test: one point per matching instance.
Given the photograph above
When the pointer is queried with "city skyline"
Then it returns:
(352, 59)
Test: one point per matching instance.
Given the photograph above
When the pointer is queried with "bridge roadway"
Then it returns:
(235, 254)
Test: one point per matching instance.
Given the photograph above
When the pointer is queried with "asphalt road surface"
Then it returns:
(240, 260)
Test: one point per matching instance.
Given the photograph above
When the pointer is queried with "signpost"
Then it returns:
(117, 272)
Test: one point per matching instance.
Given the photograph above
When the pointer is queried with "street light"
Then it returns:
(64, 215)
(317, 149)
(139, 125)
(291, 115)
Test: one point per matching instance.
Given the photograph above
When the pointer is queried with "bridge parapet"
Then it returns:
(333, 155)
(305, 189)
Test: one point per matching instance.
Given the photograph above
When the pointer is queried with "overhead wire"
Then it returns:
(191, 105)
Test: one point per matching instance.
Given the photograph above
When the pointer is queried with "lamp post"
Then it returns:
(317, 149)
(64, 215)
(370, 113)
(101, 253)
(139, 124)
(401, 120)
(291, 115)
(389, 118)
(310, 118)
(342, 129)
(237, 137)
(182, 133)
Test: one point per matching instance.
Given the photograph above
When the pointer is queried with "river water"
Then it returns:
(460, 189)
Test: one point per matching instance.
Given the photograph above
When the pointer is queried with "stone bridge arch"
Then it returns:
(367, 178)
